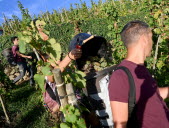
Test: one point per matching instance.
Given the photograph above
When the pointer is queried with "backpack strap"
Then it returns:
(101, 73)
(93, 79)
(50, 92)
(106, 71)
(132, 92)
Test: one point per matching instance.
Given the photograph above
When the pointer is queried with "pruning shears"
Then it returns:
(79, 43)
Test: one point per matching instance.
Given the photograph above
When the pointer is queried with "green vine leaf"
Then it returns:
(160, 64)
(64, 125)
(81, 123)
(77, 112)
(56, 49)
(157, 31)
(22, 46)
(81, 73)
(156, 15)
(46, 70)
(40, 79)
(71, 118)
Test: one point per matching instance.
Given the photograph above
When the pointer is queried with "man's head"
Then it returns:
(14, 40)
(95, 47)
(136, 32)
(38, 26)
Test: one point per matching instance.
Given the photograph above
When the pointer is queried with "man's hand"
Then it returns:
(22, 55)
(75, 54)
(29, 57)
(164, 92)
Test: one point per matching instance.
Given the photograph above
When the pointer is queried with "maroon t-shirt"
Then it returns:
(15, 48)
(152, 111)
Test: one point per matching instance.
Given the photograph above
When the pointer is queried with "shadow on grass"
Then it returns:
(21, 93)
(21, 84)
(27, 121)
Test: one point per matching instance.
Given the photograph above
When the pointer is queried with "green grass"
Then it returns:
(25, 108)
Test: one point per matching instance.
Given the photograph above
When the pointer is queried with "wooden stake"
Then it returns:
(71, 96)
(3, 106)
(60, 87)
(37, 55)
(156, 53)
(113, 2)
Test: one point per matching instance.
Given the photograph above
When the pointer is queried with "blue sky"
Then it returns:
(10, 7)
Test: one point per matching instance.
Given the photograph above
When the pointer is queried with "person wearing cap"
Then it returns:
(72, 55)
(150, 110)
(92, 47)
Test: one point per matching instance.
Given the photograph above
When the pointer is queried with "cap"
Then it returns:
(96, 46)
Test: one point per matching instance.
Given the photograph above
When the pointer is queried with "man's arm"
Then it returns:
(22, 55)
(119, 113)
(164, 92)
(43, 36)
(73, 55)
(119, 95)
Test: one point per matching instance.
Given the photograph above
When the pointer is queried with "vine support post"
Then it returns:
(61, 16)
(60, 87)
(71, 95)
(113, 3)
(121, 1)
(3, 29)
(6, 23)
(3, 106)
(66, 14)
(156, 52)
(36, 53)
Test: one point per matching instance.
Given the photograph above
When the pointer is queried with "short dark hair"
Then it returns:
(34, 22)
(133, 30)
(13, 38)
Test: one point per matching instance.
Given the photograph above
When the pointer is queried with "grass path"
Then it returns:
(25, 108)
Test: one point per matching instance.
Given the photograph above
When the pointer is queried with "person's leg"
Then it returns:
(31, 73)
(22, 71)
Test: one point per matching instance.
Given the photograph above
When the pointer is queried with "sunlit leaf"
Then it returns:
(64, 125)
(40, 80)
(71, 118)
(46, 70)
(160, 64)
(22, 46)
(56, 49)
(81, 123)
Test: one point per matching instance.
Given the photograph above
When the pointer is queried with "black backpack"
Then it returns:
(97, 89)
(7, 53)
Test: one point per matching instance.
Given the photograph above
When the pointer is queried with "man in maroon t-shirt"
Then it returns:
(21, 62)
(151, 110)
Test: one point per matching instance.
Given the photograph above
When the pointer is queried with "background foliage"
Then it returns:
(103, 19)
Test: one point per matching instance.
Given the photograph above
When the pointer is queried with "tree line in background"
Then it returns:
(104, 19)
